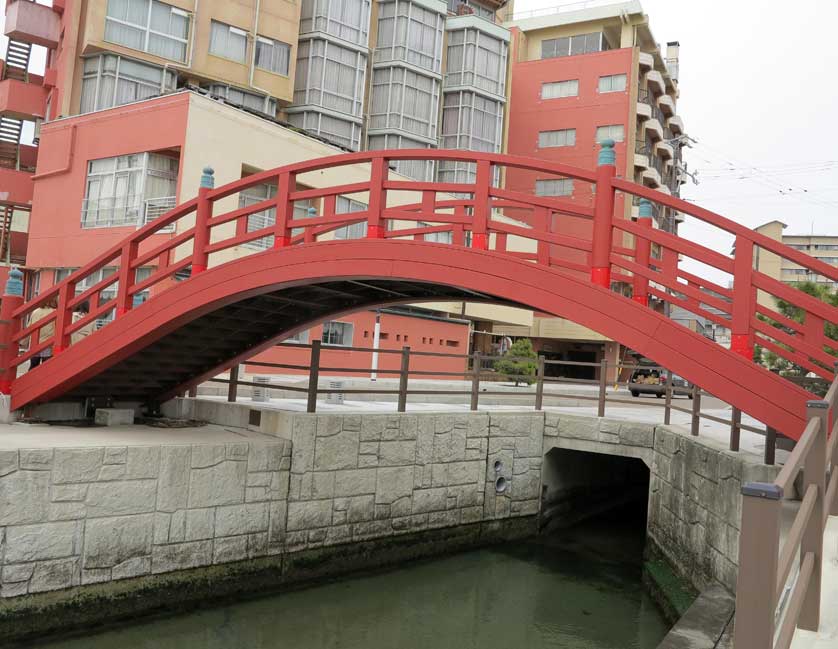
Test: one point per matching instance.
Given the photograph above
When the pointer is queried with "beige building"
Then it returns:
(820, 246)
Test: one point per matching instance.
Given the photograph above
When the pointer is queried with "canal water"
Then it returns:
(576, 589)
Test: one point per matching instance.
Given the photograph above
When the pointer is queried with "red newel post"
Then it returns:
(642, 250)
(480, 222)
(63, 318)
(203, 213)
(127, 275)
(378, 198)
(284, 209)
(743, 304)
(12, 299)
(603, 213)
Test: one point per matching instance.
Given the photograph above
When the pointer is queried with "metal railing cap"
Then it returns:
(817, 403)
(767, 490)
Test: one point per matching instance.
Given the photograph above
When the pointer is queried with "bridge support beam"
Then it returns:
(9, 326)
(603, 213)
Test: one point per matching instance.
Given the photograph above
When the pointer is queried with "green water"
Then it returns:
(578, 589)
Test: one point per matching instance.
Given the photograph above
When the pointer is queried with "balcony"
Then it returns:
(647, 61)
(641, 154)
(651, 178)
(34, 23)
(664, 150)
(655, 129)
(655, 82)
(667, 105)
(23, 100)
(676, 124)
(16, 187)
(644, 110)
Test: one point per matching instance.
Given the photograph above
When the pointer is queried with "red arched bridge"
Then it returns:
(211, 305)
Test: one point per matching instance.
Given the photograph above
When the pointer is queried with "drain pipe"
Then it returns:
(253, 55)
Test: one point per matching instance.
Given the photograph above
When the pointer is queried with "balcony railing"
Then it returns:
(121, 211)
(646, 97)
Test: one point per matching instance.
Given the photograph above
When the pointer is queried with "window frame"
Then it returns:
(560, 83)
(567, 136)
(274, 44)
(610, 78)
(562, 182)
(231, 29)
(598, 139)
(148, 31)
(327, 334)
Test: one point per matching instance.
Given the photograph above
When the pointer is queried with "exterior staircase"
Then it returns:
(17, 61)
(16, 67)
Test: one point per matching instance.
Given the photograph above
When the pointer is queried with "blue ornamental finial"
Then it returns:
(645, 209)
(207, 178)
(14, 285)
(312, 212)
(607, 155)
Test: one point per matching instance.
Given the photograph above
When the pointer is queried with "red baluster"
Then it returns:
(603, 215)
(378, 198)
(203, 214)
(743, 298)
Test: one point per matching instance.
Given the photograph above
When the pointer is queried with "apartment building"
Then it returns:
(581, 73)
(139, 95)
(823, 247)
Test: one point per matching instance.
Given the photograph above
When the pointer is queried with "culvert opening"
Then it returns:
(603, 494)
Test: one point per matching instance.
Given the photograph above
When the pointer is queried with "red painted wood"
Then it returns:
(533, 220)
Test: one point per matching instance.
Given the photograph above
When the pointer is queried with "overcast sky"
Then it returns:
(758, 93)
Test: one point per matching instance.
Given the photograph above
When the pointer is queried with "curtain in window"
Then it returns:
(226, 42)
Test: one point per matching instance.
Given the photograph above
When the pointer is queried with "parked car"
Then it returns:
(652, 380)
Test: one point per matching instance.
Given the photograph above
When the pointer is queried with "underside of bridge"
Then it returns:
(216, 338)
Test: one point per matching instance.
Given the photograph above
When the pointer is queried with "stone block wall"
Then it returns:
(695, 504)
(356, 477)
(75, 516)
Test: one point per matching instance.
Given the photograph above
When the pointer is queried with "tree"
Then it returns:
(515, 366)
(775, 362)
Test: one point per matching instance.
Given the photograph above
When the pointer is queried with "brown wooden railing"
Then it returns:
(478, 375)
(765, 564)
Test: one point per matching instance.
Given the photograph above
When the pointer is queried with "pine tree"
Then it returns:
(515, 366)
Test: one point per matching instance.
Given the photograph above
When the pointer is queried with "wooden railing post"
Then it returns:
(377, 199)
(480, 213)
(743, 309)
(603, 386)
(9, 327)
(404, 372)
(814, 473)
(642, 251)
(735, 428)
(193, 391)
(203, 214)
(475, 380)
(63, 318)
(770, 452)
(759, 548)
(667, 406)
(539, 383)
(313, 376)
(286, 183)
(127, 275)
(603, 215)
(696, 410)
(233, 386)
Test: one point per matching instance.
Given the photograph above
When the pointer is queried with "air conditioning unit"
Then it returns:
(335, 397)
(260, 394)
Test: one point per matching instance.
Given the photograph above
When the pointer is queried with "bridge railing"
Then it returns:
(593, 238)
(481, 377)
(769, 605)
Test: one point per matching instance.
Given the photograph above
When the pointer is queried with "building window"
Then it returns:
(128, 190)
(799, 246)
(471, 122)
(573, 45)
(416, 169)
(405, 100)
(345, 205)
(615, 132)
(267, 218)
(559, 89)
(435, 237)
(818, 246)
(479, 9)
(273, 56)
(337, 333)
(554, 187)
(564, 137)
(243, 98)
(330, 76)
(612, 83)
(476, 59)
(228, 41)
(299, 338)
(411, 33)
(110, 80)
(346, 19)
(148, 25)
